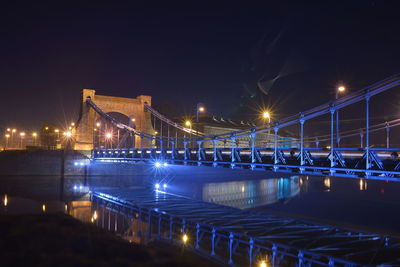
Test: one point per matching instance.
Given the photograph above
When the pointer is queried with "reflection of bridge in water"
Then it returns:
(251, 193)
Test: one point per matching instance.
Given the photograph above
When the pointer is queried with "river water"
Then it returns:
(352, 203)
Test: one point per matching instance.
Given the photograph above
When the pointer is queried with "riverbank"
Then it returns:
(60, 240)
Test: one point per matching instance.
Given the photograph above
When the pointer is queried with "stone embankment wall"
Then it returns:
(41, 162)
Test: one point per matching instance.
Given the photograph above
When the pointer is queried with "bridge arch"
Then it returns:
(132, 108)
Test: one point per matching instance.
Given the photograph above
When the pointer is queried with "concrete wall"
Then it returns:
(40, 162)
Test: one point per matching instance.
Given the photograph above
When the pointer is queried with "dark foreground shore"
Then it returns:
(60, 240)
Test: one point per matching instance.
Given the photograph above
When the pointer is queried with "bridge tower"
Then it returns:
(130, 107)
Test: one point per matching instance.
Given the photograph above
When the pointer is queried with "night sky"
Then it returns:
(234, 58)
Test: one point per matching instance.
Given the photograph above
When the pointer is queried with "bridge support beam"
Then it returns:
(199, 159)
(215, 156)
(332, 156)
(367, 160)
(185, 151)
(233, 143)
(276, 160)
(253, 149)
(302, 144)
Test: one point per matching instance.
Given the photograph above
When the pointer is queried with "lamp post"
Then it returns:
(109, 138)
(34, 135)
(12, 135)
(7, 136)
(339, 90)
(267, 116)
(22, 135)
(188, 123)
(199, 108)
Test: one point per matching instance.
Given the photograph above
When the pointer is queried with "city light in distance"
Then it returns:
(14, 130)
(185, 238)
(341, 88)
(46, 128)
(68, 134)
(44, 208)
(133, 119)
(22, 134)
(56, 130)
(157, 186)
(7, 135)
(34, 134)
(98, 124)
(188, 123)
(72, 123)
(202, 109)
(8, 129)
(108, 135)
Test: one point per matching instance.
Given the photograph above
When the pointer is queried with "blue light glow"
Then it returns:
(157, 164)
(165, 164)
(157, 186)
(165, 186)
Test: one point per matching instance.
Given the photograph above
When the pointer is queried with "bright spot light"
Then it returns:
(8, 129)
(81, 163)
(22, 134)
(34, 134)
(201, 109)
(76, 163)
(133, 119)
(341, 88)
(75, 187)
(98, 124)
(157, 186)
(68, 134)
(266, 115)
(92, 219)
(5, 200)
(188, 123)
(165, 164)
(44, 208)
(158, 164)
(72, 124)
(185, 238)
(95, 215)
(263, 264)
(165, 186)
(108, 135)
(80, 187)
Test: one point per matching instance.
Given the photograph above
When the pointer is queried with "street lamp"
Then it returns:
(22, 135)
(7, 137)
(340, 89)
(58, 134)
(34, 135)
(109, 136)
(267, 116)
(199, 108)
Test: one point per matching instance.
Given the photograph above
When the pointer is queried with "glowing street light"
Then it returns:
(34, 135)
(46, 128)
(133, 119)
(68, 134)
(185, 238)
(188, 123)
(72, 123)
(98, 124)
(7, 136)
(8, 129)
(267, 115)
(108, 137)
(22, 135)
(199, 108)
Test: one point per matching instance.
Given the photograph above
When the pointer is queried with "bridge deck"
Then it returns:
(243, 233)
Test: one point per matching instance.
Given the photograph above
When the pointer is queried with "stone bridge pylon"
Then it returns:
(130, 107)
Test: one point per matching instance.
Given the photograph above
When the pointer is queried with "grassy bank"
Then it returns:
(60, 240)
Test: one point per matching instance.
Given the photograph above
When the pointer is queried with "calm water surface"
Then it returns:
(360, 204)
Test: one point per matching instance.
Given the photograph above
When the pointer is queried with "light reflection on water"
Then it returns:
(354, 201)
(251, 193)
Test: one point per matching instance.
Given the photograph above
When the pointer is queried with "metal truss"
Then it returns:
(240, 236)
(344, 162)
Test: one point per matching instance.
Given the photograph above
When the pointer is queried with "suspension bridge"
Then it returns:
(174, 143)
(228, 234)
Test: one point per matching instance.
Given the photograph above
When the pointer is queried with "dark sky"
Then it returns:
(234, 58)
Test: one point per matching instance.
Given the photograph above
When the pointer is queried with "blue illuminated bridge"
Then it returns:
(234, 236)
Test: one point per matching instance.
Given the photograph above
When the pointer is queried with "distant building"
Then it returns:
(218, 125)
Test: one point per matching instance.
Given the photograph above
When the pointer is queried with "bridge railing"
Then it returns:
(349, 162)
